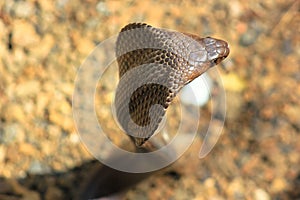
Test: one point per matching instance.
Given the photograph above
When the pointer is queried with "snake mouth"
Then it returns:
(224, 52)
(218, 60)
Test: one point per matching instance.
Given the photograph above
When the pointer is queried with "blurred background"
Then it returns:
(43, 43)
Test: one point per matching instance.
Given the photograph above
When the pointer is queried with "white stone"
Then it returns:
(197, 92)
(260, 194)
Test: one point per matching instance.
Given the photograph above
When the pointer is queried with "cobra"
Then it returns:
(154, 64)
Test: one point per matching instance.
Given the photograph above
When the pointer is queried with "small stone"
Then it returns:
(101, 7)
(12, 133)
(28, 89)
(48, 6)
(293, 112)
(74, 138)
(236, 9)
(48, 148)
(234, 101)
(278, 185)
(67, 88)
(65, 122)
(23, 9)
(2, 154)
(294, 157)
(61, 3)
(11, 155)
(27, 149)
(64, 107)
(54, 132)
(60, 113)
(14, 112)
(260, 194)
(43, 49)
(37, 167)
(236, 189)
(4, 31)
(233, 82)
(19, 57)
(210, 183)
(83, 45)
(248, 38)
(24, 34)
(41, 103)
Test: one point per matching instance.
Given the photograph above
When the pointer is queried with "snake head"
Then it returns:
(204, 53)
(217, 50)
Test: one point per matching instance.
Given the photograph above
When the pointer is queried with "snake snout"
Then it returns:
(217, 50)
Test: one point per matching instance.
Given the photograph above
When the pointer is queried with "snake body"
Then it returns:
(154, 64)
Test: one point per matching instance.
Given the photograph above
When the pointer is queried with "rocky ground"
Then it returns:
(43, 43)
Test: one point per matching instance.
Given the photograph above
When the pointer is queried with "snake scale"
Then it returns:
(154, 64)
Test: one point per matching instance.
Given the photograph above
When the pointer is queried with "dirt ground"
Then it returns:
(43, 44)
